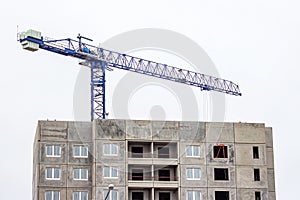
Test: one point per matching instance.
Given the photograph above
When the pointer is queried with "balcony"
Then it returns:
(165, 150)
(156, 152)
(143, 176)
(139, 194)
(146, 194)
(154, 182)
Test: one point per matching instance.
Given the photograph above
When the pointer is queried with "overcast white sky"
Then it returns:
(254, 43)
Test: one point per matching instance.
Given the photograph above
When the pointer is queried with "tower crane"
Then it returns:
(100, 60)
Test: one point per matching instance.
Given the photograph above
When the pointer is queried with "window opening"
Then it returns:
(257, 196)
(255, 153)
(220, 151)
(256, 175)
(221, 174)
(221, 195)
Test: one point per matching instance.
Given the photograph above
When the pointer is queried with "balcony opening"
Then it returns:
(221, 174)
(137, 174)
(163, 152)
(220, 151)
(137, 152)
(221, 195)
(255, 153)
(164, 175)
(164, 196)
(137, 196)
(257, 196)
(256, 175)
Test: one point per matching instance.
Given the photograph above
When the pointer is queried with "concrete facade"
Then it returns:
(153, 160)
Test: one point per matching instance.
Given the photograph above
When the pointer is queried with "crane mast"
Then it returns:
(99, 60)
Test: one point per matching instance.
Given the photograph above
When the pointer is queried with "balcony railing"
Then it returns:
(139, 155)
(150, 155)
(165, 155)
(152, 178)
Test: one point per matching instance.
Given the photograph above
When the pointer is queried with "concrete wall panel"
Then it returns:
(211, 182)
(109, 129)
(249, 194)
(269, 137)
(62, 182)
(80, 160)
(244, 154)
(103, 182)
(219, 132)
(102, 158)
(184, 182)
(79, 183)
(210, 160)
(192, 131)
(272, 196)
(79, 189)
(63, 159)
(183, 159)
(245, 177)
(80, 131)
(270, 158)
(249, 133)
(42, 192)
(211, 192)
(184, 192)
(100, 192)
(53, 130)
(138, 130)
(271, 180)
(165, 130)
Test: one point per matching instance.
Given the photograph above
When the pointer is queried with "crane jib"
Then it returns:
(99, 60)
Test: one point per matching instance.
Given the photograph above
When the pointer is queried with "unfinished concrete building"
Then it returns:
(153, 160)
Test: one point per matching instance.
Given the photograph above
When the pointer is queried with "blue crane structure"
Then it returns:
(99, 60)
